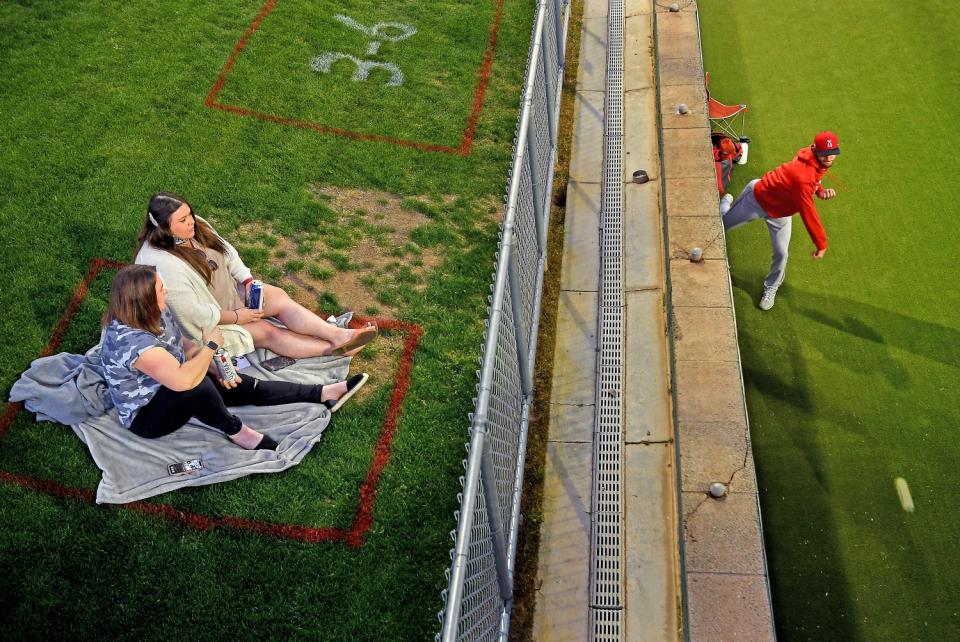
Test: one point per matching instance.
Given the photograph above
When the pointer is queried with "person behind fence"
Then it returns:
(208, 284)
(782, 192)
(159, 379)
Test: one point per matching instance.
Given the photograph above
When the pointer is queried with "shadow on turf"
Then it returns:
(801, 552)
(922, 338)
(811, 587)
(884, 328)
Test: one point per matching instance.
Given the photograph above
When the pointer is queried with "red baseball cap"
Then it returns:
(826, 144)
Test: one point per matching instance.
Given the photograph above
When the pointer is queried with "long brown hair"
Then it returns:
(157, 233)
(133, 298)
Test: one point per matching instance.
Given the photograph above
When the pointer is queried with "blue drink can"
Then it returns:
(256, 296)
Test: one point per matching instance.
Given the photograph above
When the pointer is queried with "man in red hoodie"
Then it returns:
(782, 192)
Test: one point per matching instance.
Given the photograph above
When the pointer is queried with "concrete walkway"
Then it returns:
(706, 580)
(649, 565)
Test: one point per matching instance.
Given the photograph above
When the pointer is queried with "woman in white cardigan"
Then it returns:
(207, 283)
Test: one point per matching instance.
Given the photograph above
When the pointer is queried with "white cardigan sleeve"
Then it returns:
(238, 269)
(189, 309)
(187, 294)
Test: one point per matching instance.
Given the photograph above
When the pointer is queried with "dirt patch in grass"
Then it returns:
(382, 204)
(372, 244)
(366, 250)
(380, 358)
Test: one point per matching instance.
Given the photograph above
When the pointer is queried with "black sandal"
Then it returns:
(267, 443)
(354, 383)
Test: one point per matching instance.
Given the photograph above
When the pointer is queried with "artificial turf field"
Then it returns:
(352, 195)
(853, 379)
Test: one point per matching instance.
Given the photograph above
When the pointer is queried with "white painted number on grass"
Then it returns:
(389, 31)
(324, 61)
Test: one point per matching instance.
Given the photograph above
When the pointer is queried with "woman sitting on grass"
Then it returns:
(208, 284)
(158, 379)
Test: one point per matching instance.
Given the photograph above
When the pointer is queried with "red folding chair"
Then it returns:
(725, 117)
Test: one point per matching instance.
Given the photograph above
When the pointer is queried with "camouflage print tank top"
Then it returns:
(122, 345)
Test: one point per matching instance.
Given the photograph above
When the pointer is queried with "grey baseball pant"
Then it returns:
(746, 209)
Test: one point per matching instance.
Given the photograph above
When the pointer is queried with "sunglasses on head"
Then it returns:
(213, 264)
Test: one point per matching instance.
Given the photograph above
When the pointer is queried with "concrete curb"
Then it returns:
(725, 582)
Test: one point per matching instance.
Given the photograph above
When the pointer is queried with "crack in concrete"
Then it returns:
(729, 483)
(681, 253)
(688, 515)
(746, 450)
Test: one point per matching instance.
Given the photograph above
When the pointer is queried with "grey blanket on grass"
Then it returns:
(70, 389)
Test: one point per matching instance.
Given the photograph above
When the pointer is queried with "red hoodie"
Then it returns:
(789, 189)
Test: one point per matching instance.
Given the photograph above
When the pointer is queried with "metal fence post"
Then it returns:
(535, 182)
(500, 556)
(461, 557)
(516, 303)
(550, 81)
(558, 28)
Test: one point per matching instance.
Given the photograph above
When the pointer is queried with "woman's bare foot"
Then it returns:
(358, 339)
(333, 391)
(250, 439)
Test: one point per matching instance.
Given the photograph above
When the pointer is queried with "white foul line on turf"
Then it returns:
(903, 492)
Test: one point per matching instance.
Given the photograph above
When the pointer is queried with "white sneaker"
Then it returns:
(725, 203)
(768, 298)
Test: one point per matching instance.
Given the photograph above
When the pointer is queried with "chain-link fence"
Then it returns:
(479, 594)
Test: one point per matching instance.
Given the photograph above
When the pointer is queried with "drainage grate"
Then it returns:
(606, 573)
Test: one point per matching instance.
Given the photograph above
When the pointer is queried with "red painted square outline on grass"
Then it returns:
(363, 518)
(466, 141)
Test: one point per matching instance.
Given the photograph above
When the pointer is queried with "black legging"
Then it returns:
(169, 410)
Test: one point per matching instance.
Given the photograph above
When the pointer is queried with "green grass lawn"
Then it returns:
(852, 379)
(435, 45)
(102, 104)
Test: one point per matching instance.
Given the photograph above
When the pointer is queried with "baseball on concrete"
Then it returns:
(718, 490)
